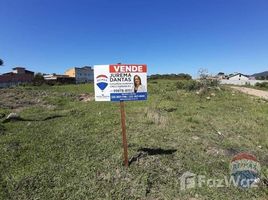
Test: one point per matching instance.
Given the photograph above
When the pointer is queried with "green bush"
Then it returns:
(189, 85)
(192, 85)
(180, 84)
(262, 85)
(38, 79)
(214, 83)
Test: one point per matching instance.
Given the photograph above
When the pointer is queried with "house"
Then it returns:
(221, 76)
(239, 77)
(81, 75)
(18, 76)
(57, 78)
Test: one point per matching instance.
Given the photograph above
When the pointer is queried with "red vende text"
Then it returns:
(128, 68)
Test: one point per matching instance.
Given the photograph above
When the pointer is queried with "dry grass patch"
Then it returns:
(157, 117)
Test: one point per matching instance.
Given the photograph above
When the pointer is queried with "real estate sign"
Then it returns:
(120, 82)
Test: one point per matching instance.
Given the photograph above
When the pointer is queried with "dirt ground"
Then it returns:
(251, 91)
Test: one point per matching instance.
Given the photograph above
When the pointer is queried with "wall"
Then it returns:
(70, 72)
(5, 85)
(11, 79)
(241, 82)
(84, 75)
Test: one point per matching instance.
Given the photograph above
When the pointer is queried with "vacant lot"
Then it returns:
(66, 146)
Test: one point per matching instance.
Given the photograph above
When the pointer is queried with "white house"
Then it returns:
(239, 77)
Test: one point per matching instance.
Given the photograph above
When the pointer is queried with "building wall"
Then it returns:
(56, 78)
(19, 70)
(221, 77)
(70, 72)
(82, 75)
(239, 77)
(15, 79)
(61, 80)
(5, 85)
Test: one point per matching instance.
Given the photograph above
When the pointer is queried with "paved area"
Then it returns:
(251, 91)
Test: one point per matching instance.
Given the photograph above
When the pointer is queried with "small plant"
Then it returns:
(247, 84)
(155, 116)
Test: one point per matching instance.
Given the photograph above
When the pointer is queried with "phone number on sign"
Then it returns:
(122, 91)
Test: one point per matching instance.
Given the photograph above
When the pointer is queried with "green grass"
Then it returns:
(79, 154)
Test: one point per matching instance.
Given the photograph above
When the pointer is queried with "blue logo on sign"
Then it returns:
(102, 81)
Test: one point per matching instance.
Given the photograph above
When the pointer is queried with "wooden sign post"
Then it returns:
(124, 135)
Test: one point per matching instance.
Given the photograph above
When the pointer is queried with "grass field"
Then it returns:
(71, 149)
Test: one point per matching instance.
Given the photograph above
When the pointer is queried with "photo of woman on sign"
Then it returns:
(138, 87)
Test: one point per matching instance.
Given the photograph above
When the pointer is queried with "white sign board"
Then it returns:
(120, 82)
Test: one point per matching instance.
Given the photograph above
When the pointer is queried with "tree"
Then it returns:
(38, 79)
(180, 76)
(1, 62)
(203, 73)
(183, 76)
(205, 81)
